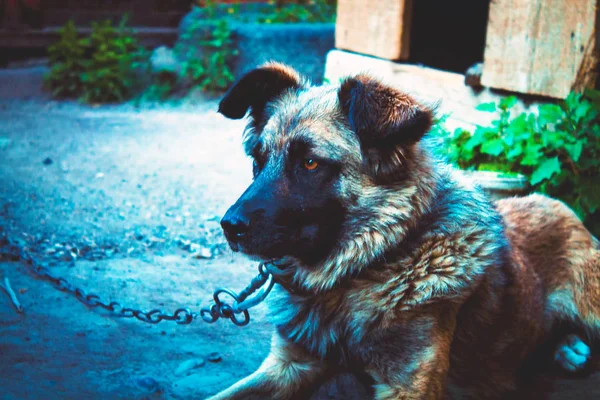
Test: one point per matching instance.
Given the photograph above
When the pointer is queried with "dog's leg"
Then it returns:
(287, 372)
(415, 360)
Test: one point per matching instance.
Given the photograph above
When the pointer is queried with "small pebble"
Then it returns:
(148, 383)
(204, 252)
(214, 357)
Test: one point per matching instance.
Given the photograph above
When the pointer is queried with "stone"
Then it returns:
(204, 252)
(163, 60)
(302, 46)
(148, 383)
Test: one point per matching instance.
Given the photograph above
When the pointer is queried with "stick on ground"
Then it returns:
(12, 295)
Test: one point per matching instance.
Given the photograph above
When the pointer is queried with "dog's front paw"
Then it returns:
(572, 353)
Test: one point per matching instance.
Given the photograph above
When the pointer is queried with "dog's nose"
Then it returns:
(235, 226)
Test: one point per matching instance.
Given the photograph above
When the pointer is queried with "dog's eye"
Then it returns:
(310, 164)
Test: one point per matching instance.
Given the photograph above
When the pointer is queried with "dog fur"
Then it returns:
(411, 276)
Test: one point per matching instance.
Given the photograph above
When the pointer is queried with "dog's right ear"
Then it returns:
(387, 122)
(255, 89)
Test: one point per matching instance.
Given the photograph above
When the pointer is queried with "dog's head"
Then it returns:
(324, 159)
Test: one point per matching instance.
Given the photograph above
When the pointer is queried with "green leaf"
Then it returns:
(574, 150)
(545, 170)
(550, 113)
(487, 107)
(493, 147)
(590, 194)
(507, 102)
(477, 138)
(582, 110)
(572, 101)
(515, 151)
(532, 155)
(553, 140)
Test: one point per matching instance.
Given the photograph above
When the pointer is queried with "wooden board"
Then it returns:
(542, 47)
(379, 28)
(445, 90)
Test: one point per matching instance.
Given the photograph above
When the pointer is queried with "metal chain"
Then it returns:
(181, 316)
(241, 303)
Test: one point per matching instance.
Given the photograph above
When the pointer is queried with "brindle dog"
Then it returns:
(399, 269)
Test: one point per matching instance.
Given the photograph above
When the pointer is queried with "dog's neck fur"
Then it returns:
(393, 211)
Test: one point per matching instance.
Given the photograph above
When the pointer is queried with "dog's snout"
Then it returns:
(235, 225)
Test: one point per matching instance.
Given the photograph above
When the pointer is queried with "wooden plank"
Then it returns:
(542, 47)
(378, 28)
(445, 90)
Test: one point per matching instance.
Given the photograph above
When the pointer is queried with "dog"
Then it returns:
(397, 268)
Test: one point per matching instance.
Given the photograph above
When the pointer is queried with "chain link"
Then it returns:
(237, 312)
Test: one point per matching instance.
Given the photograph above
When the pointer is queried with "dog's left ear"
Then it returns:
(255, 89)
(386, 121)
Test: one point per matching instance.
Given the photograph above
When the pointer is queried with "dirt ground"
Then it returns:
(125, 202)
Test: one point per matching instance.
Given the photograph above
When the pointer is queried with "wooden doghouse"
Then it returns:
(530, 47)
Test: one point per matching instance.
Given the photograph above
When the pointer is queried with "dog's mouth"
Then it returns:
(270, 255)
(280, 263)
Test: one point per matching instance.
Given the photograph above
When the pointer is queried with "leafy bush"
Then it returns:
(96, 69)
(313, 11)
(66, 63)
(274, 11)
(110, 71)
(211, 69)
(557, 148)
(208, 63)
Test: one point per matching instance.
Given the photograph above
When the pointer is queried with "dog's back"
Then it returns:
(550, 280)
(547, 237)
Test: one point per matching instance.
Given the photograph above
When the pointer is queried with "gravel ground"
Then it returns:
(125, 203)
(124, 199)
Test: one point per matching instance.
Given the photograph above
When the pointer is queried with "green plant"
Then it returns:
(208, 62)
(557, 148)
(110, 71)
(66, 63)
(211, 69)
(99, 68)
(313, 11)
(157, 91)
